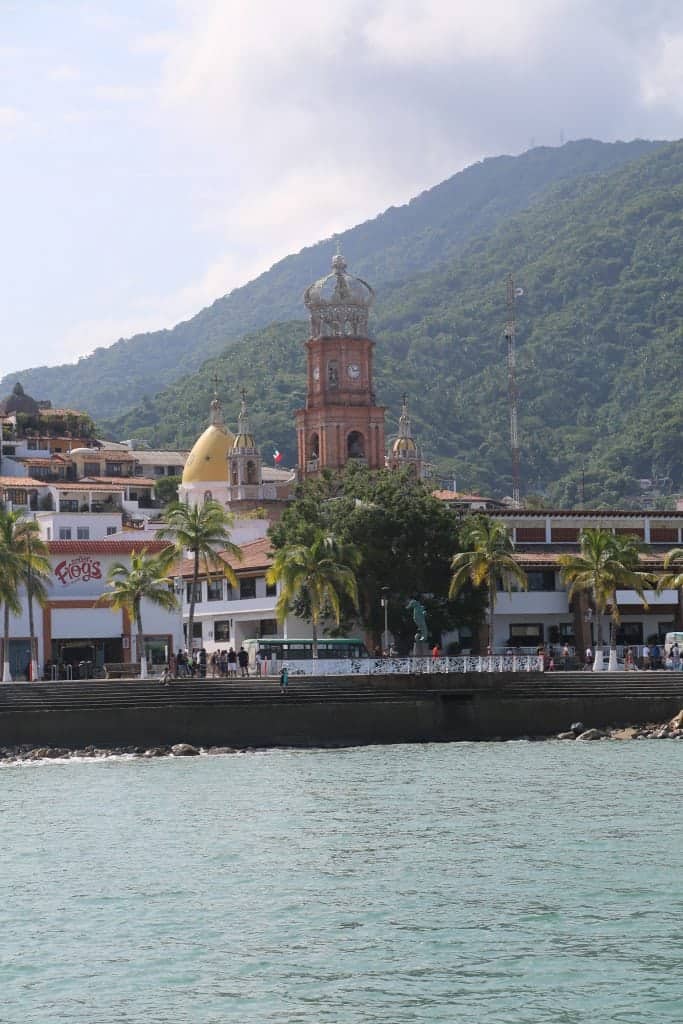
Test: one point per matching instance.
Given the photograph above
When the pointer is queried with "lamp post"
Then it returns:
(385, 605)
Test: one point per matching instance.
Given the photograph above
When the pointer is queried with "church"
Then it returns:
(341, 421)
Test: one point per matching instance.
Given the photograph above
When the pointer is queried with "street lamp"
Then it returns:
(384, 601)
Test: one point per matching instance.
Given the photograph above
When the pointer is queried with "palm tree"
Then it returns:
(320, 573)
(145, 579)
(204, 531)
(10, 580)
(674, 580)
(35, 573)
(606, 562)
(488, 556)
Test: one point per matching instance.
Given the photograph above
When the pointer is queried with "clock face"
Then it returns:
(353, 371)
(316, 373)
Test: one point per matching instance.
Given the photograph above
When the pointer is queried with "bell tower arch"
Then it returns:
(341, 421)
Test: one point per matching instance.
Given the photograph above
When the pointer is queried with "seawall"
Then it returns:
(319, 712)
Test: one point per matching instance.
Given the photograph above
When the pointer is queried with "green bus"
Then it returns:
(291, 649)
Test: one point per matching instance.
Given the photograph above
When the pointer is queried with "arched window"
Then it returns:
(251, 472)
(234, 476)
(315, 446)
(208, 496)
(355, 445)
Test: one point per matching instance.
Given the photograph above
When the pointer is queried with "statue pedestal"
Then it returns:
(421, 649)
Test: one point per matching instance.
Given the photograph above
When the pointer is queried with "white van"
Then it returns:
(670, 639)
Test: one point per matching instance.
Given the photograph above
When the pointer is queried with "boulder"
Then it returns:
(577, 727)
(677, 721)
(184, 750)
(155, 752)
(628, 733)
(221, 750)
(591, 734)
(566, 735)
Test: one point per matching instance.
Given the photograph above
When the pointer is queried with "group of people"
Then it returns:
(654, 658)
(226, 664)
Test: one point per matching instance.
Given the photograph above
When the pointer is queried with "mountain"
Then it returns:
(599, 348)
(434, 227)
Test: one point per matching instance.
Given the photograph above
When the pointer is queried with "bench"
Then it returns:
(121, 670)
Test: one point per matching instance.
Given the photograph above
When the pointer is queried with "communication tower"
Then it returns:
(513, 294)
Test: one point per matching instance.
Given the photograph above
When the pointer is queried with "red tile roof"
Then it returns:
(127, 481)
(255, 555)
(105, 547)
(21, 481)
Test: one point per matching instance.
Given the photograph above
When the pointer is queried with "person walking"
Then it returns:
(675, 657)
(629, 663)
(243, 660)
(588, 660)
(646, 656)
(284, 679)
(232, 662)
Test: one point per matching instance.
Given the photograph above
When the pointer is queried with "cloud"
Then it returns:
(64, 73)
(10, 117)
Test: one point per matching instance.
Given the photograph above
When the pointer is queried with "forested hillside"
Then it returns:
(403, 241)
(599, 348)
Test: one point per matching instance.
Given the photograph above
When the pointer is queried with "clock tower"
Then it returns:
(341, 421)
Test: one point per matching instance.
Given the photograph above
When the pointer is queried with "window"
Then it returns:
(268, 627)
(221, 631)
(525, 634)
(271, 589)
(48, 533)
(247, 588)
(197, 587)
(65, 533)
(541, 579)
(91, 469)
(82, 533)
(214, 590)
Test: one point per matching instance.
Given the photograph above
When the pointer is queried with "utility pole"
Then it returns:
(512, 294)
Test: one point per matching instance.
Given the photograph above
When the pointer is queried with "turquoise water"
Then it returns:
(508, 882)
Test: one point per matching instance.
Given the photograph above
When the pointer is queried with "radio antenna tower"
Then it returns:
(513, 294)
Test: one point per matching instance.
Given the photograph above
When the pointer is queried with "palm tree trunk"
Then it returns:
(141, 643)
(314, 635)
(6, 672)
(32, 628)
(598, 662)
(492, 608)
(190, 621)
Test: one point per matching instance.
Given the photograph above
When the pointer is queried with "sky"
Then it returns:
(155, 154)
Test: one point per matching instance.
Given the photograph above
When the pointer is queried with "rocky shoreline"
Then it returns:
(671, 730)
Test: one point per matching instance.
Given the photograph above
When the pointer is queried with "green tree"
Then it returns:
(35, 573)
(674, 580)
(145, 579)
(606, 562)
(487, 556)
(204, 532)
(166, 488)
(321, 572)
(405, 539)
(11, 567)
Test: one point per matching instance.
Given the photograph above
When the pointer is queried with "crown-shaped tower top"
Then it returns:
(339, 303)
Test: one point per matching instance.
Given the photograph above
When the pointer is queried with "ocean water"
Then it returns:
(514, 883)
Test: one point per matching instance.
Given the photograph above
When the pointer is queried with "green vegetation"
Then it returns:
(145, 579)
(22, 561)
(204, 532)
(487, 557)
(404, 537)
(319, 572)
(606, 562)
(599, 349)
(674, 580)
(433, 228)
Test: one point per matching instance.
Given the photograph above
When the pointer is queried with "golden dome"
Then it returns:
(404, 444)
(243, 441)
(207, 462)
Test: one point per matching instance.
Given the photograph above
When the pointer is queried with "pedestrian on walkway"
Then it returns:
(243, 659)
(284, 679)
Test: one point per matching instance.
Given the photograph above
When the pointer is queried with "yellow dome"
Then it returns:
(404, 444)
(243, 441)
(207, 462)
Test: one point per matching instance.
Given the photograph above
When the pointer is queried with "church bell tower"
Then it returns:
(341, 421)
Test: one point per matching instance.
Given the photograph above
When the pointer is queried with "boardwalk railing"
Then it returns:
(414, 666)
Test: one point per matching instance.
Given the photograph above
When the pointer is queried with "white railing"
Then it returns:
(413, 666)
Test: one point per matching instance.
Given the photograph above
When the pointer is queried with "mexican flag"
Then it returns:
(277, 456)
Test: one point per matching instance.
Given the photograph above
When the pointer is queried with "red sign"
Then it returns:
(78, 570)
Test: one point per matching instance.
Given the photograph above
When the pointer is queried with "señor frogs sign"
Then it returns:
(78, 570)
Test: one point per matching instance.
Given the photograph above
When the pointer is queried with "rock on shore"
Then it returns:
(672, 730)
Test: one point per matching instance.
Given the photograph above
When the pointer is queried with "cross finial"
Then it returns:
(243, 394)
(215, 380)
